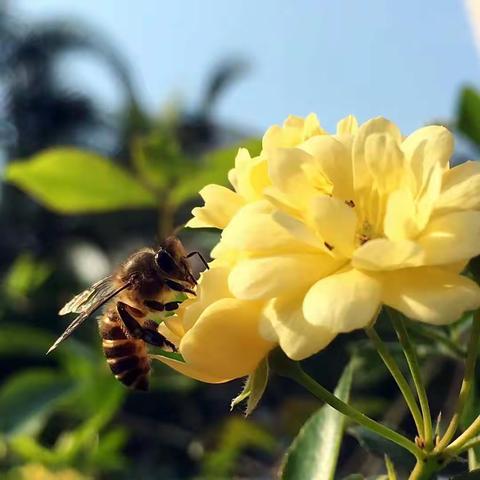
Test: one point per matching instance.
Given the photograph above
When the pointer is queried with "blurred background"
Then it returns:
(162, 94)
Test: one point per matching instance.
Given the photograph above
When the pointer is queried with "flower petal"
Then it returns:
(399, 222)
(225, 342)
(294, 131)
(460, 189)
(268, 277)
(430, 294)
(361, 173)
(347, 126)
(336, 222)
(451, 238)
(221, 204)
(382, 254)
(426, 148)
(297, 338)
(290, 183)
(212, 286)
(343, 302)
(332, 160)
(254, 229)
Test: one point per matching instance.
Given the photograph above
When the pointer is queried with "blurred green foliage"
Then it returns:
(64, 417)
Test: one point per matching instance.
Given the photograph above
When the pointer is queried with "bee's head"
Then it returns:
(172, 262)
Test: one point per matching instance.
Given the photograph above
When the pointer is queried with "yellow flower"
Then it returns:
(217, 335)
(346, 223)
(250, 175)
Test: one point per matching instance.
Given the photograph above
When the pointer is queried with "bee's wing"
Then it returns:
(84, 300)
(86, 303)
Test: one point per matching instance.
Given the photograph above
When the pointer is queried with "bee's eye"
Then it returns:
(166, 262)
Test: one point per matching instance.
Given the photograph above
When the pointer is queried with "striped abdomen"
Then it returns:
(127, 357)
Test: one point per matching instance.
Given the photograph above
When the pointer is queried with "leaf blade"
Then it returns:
(314, 452)
(72, 181)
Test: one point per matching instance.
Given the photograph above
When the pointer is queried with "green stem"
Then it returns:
(473, 443)
(287, 368)
(412, 360)
(467, 383)
(402, 382)
(425, 468)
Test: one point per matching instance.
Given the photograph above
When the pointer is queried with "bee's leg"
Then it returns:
(148, 335)
(132, 326)
(178, 287)
(160, 307)
(153, 337)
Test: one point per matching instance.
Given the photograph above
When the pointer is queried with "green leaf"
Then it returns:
(170, 355)
(25, 276)
(213, 168)
(392, 474)
(68, 180)
(254, 388)
(380, 446)
(19, 340)
(159, 160)
(28, 397)
(469, 114)
(237, 434)
(314, 453)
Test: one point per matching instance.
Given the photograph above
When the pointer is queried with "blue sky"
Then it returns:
(403, 60)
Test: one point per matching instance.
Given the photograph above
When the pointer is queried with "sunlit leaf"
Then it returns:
(254, 388)
(28, 397)
(469, 114)
(314, 453)
(213, 168)
(68, 180)
(25, 275)
(37, 471)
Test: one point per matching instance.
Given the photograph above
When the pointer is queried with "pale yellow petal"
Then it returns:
(361, 173)
(427, 147)
(332, 160)
(427, 152)
(347, 126)
(336, 222)
(290, 183)
(212, 286)
(250, 175)
(303, 233)
(191, 371)
(298, 338)
(384, 161)
(343, 302)
(382, 254)
(221, 204)
(254, 229)
(451, 238)
(225, 340)
(399, 222)
(268, 277)
(430, 294)
(294, 131)
(460, 189)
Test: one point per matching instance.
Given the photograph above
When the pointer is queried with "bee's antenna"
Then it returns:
(191, 254)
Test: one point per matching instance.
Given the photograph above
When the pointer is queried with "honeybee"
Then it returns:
(142, 285)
